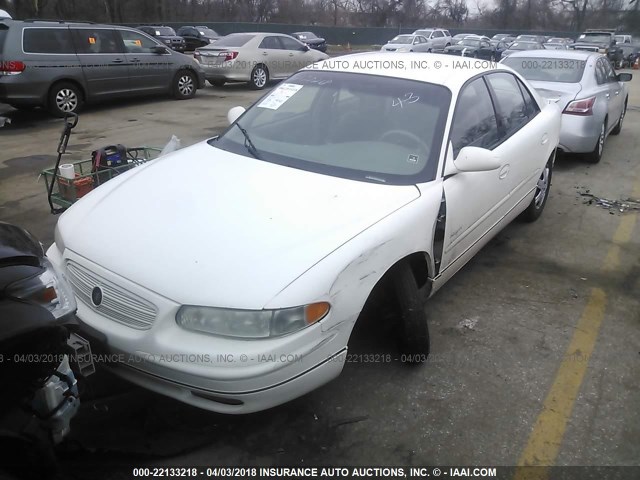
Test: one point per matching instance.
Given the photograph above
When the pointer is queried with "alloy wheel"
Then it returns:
(185, 85)
(542, 186)
(66, 100)
(259, 77)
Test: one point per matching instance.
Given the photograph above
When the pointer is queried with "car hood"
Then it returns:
(170, 37)
(207, 227)
(557, 92)
(313, 41)
(458, 48)
(16, 242)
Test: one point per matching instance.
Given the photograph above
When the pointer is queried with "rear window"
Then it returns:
(234, 40)
(168, 31)
(47, 40)
(563, 70)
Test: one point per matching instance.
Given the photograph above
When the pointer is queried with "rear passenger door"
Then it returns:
(616, 93)
(148, 70)
(296, 55)
(270, 53)
(524, 150)
(103, 62)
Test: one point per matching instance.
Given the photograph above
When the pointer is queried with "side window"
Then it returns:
(136, 43)
(485, 44)
(48, 40)
(601, 73)
(270, 43)
(532, 106)
(611, 74)
(474, 121)
(512, 111)
(438, 34)
(289, 43)
(96, 41)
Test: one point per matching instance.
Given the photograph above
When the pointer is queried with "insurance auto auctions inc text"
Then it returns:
(366, 472)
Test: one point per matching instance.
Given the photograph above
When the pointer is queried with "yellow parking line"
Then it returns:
(546, 438)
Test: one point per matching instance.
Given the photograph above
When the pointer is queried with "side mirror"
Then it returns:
(475, 159)
(624, 77)
(305, 47)
(159, 50)
(234, 113)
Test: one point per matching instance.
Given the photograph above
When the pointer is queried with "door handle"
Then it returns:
(265, 53)
(544, 139)
(504, 171)
(117, 60)
(291, 54)
(135, 60)
(617, 92)
(607, 96)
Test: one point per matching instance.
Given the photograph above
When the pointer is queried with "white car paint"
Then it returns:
(254, 235)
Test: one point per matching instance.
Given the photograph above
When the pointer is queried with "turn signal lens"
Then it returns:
(315, 312)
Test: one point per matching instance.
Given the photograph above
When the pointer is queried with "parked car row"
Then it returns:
(63, 65)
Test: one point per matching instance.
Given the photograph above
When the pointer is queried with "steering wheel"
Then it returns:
(403, 133)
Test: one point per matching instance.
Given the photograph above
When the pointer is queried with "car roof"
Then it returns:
(399, 66)
(561, 54)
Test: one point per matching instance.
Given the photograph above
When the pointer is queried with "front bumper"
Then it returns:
(220, 374)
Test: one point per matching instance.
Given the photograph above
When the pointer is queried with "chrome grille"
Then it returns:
(117, 304)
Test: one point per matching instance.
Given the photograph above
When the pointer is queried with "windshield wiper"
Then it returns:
(251, 148)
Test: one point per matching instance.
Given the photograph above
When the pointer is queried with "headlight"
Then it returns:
(211, 40)
(250, 323)
(49, 289)
(168, 42)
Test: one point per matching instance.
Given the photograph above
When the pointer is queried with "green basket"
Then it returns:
(66, 192)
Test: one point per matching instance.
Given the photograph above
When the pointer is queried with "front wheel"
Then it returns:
(414, 339)
(535, 208)
(184, 85)
(259, 77)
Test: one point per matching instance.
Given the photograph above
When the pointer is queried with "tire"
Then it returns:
(217, 83)
(414, 337)
(596, 155)
(539, 200)
(618, 128)
(64, 98)
(259, 77)
(185, 85)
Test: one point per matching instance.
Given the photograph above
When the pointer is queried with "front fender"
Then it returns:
(346, 278)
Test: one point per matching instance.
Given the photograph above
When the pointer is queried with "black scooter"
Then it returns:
(41, 358)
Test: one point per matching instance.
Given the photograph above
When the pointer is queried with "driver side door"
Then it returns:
(475, 201)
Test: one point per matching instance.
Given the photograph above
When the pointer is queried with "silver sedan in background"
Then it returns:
(592, 97)
(255, 58)
(407, 43)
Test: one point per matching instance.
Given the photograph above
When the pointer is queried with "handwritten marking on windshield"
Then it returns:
(406, 100)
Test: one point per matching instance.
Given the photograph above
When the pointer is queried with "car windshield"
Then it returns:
(403, 39)
(563, 70)
(425, 33)
(306, 35)
(233, 40)
(207, 32)
(469, 42)
(364, 127)
(526, 38)
(522, 46)
(595, 37)
(165, 31)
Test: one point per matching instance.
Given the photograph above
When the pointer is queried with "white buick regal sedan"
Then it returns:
(230, 274)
